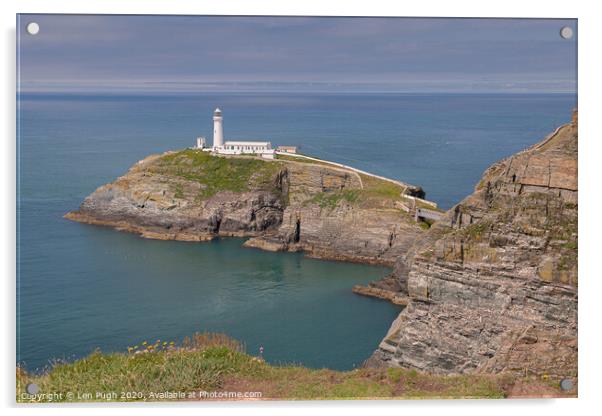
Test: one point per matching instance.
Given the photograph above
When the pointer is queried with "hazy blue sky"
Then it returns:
(200, 53)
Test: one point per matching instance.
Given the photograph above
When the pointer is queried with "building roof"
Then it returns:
(217, 111)
(234, 143)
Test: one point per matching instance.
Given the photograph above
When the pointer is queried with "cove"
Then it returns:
(123, 290)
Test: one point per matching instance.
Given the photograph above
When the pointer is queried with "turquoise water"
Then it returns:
(82, 287)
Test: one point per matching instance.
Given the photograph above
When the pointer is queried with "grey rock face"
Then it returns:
(493, 286)
(323, 210)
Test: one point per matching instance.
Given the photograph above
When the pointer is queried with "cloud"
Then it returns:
(85, 51)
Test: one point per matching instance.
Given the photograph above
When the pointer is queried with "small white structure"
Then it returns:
(201, 143)
(263, 149)
(287, 149)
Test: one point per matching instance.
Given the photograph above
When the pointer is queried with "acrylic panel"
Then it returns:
(289, 208)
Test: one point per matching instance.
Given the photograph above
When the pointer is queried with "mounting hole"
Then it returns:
(33, 28)
(32, 388)
(566, 32)
(566, 384)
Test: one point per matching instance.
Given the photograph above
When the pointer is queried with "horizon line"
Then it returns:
(292, 91)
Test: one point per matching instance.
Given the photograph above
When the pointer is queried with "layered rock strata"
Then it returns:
(323, 210)
(492, 287)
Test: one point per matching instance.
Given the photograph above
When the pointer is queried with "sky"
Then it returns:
(102, 53)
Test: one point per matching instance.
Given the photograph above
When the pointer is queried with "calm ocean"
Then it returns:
(82, 287)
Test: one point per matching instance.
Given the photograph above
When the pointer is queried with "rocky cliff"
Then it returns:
(287, 204)
(492, 287)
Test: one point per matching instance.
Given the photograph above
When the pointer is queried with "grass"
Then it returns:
(476, 231)
(571, 245)
(201, 362)
(218, 173)
(215, 362)
(426, 224)
(332, 199)
(384, 189)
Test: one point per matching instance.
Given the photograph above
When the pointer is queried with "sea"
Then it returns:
(82, 288)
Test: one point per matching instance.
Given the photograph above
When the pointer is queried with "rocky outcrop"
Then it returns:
(321, 209)
(337, 214)
(384, 289)
(161, 205)
(493, 285)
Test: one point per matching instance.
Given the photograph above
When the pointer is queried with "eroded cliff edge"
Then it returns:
(292, 204)
(492, 287)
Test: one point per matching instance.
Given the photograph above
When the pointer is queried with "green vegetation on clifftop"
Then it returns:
(331, 199)
(236, 174)
(247, 173)
(214, 362)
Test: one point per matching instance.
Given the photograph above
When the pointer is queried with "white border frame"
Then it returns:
(589, 155)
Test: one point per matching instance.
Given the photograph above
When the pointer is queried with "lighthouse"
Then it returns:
(220, 147)
(218, 130)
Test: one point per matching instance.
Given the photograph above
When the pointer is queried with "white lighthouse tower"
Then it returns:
(220, 147)
(218, 130)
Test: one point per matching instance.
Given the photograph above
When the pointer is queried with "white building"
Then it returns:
(263, 149)
(236, 148)
(201, 143)
(287, 149)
